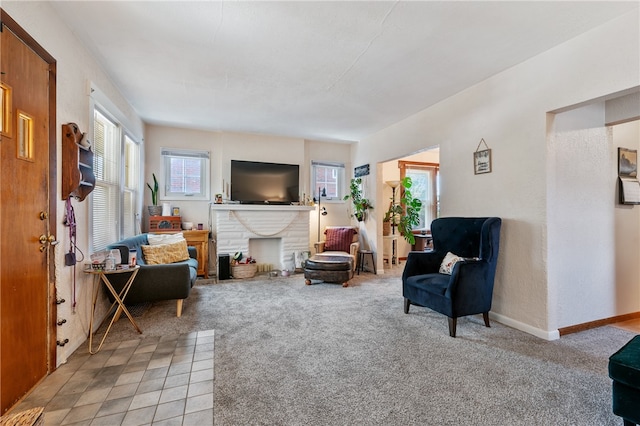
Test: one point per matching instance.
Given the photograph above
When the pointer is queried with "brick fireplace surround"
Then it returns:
(236, 226)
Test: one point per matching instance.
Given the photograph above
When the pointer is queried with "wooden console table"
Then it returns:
(199, 240)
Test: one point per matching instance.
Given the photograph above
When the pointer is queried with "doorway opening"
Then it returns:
(424, 169)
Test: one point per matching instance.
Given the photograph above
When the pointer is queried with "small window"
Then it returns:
(25, 136)
(327, 180)
(186, 174)
(5, 110)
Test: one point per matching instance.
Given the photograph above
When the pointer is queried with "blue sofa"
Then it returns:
(171, 281)
(469, 288)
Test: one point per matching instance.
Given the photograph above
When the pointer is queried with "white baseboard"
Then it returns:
(543, 334)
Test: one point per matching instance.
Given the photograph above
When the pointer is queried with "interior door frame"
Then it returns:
(7, 21)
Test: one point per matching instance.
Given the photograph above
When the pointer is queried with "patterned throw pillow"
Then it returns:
(446, 267)
(338, 239)
(165, 253)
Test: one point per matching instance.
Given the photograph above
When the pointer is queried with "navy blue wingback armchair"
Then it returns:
(469, 288)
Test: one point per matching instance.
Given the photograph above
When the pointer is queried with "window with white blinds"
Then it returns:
(117, 188)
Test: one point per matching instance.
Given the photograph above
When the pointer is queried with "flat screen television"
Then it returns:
(255, 182)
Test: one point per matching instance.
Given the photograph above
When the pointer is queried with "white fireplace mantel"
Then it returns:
(260, 207)
(234, 225)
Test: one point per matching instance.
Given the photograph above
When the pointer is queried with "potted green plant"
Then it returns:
(390, 217)
(360, 204)
(154, 209)
(411, 216)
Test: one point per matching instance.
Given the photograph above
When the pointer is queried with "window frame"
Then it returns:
(123, 227)
(340, 169)
(419, 165)
(166, 154)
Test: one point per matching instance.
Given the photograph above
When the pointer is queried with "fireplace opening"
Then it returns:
(266, 250)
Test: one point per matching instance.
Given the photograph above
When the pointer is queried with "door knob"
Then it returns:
(50, 239)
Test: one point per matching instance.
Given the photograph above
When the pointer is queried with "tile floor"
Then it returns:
(150, 381)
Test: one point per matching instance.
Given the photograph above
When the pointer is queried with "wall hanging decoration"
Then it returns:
(78, 179)
(482, 159)
(361, 170)
(629, 187)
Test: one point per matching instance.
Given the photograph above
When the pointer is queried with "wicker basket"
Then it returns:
(32, 417)
(244, 270)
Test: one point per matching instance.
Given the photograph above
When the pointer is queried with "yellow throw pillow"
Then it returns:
(165, 253)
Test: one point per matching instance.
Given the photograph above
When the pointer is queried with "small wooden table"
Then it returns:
(200, 240)
(102, 275)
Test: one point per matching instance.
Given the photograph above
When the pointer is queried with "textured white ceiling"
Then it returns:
(317, 70)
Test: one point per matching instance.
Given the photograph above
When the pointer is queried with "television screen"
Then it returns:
(264, 183)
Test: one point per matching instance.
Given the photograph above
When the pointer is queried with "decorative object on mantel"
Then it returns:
(482, 159)
(629, 187)
(265, 233)
(360, 204)
(154, 209)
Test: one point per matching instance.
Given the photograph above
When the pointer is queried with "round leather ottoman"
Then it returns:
(329, 268)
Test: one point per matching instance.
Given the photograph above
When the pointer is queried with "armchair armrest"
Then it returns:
(353, 249)
(319, 246)
(469, 289)
(422, 262)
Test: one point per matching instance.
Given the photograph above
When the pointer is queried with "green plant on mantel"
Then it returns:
(360, 204)
(411, 215)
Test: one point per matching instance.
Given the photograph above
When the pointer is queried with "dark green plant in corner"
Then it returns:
(154, 190)
(411, 215)
(360, 204)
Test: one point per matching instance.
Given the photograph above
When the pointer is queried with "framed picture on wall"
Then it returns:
(627, 163)
(482, 161)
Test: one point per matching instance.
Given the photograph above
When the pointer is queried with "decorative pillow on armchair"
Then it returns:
(165, 253)
(338, 239)
(449, 261)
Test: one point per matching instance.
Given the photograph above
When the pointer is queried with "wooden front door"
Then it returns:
(27, 298)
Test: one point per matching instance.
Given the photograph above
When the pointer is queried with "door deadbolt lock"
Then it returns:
(48, 239)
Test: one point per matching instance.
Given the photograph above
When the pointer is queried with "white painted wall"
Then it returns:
(75, 69)
(627, 233)
(595, 239)
(582, 182)
(509, 111)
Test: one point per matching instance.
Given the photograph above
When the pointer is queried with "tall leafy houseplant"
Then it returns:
(411, 215)
(391, 217)
(360, 204)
